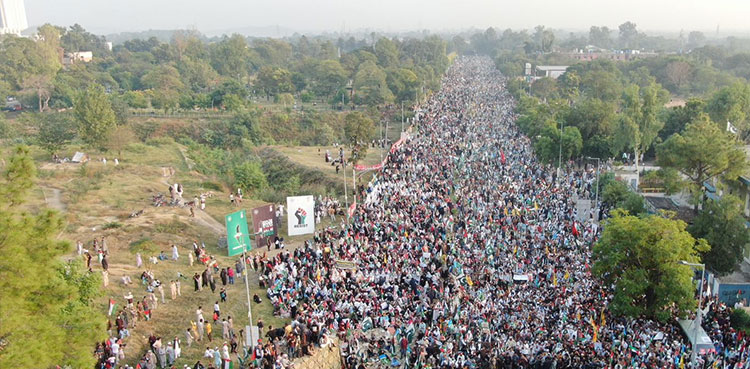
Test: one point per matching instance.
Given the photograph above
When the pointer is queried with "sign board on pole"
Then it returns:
(264, 225)
(251, 339)
(300, 215)
(238, 236)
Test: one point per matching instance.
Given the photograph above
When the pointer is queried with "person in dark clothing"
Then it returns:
(223, 276)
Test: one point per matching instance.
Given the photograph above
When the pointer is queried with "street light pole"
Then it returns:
(559, 158)
(697, 321)
(596, 203)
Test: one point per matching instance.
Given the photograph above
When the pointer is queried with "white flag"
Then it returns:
(731, 128)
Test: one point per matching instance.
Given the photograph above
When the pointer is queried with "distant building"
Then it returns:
(12, 17)
(78, 56)
(551, 71)
(593, 53)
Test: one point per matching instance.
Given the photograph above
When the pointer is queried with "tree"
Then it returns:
(696, 39)
(722, 224)
(548, 145)
(544, 88)
(678, 117)
(329, 77)
(359, 130)
(41, 86)
(628, 36)
(702, 152)
(371, 86)
(678, 74)
(274, 80)
(617, 194)
(387, 52)
(600, 36)
(595, 119)
(95, 117)
(55, 306)
(639, 122)
(249, 176)
(120, 138)
(55, 131)
(638, 256)
(731, 104)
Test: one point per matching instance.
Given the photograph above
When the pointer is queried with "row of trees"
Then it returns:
(190, 72)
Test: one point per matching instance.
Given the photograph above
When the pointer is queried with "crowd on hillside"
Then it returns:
(466, 252)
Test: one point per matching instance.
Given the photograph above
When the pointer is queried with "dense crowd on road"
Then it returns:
(466, 252)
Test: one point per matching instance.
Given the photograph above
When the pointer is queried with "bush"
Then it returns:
(249, 176)
(112, 225)
(211, 186)
(174, 227)
(137, 148)
(158, 141)
(144, 246)
(740, 320)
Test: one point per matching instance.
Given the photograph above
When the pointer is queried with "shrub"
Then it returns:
(112, 225)
(144, 246)
(740, 320)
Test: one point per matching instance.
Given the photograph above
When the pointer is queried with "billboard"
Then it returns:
(300, 215)
(264, 226)
(238, 236)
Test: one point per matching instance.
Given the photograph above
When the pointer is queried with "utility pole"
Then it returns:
(402, 116)
(559, 158)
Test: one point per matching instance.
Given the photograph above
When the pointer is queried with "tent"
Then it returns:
(79, 157)
(696, 332)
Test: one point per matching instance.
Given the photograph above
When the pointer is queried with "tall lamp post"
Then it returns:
(559, 158)
(697, 321)
(596, 202)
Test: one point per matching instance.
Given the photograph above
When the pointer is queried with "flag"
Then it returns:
(596, 329)
(682, 361)
(604, 320)
(731, 128)
(112, 305)
(469, 281)
(575, 229)
(554, 279)
(567, 275)
(502, 157)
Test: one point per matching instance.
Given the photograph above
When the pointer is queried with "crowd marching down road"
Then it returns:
(467, 252)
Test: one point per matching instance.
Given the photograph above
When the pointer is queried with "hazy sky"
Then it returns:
(105, 16)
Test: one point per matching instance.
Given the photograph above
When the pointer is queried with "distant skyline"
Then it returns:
(210, 17)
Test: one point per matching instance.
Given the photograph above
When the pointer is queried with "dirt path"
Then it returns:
(52, 196)
(208, 221)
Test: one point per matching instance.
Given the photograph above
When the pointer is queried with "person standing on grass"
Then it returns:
(223, 276)
(138, 260)
(224, 329)
(190, 258)
(175, 253)
(223, 294)
(201, 329)
(208, 330)
(160, 287)
(173, 289)
(217, 311)
(189, 336)
(230, 275)
(179, 288)
(197, 281)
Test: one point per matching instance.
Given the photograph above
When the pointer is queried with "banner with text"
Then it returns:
(300, 215)
(264, 226)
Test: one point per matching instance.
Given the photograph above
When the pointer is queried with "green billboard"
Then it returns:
(238, 237)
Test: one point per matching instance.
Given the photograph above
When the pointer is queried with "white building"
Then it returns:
(551, 71)
(12, 17)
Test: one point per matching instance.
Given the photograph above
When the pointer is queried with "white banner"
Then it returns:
(300, 215)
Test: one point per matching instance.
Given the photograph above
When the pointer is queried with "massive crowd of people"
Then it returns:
(463, 252)
(466, 252)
